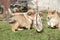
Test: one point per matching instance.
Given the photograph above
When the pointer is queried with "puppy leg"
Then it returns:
(14, 26)
(28, 27)
(19, 28)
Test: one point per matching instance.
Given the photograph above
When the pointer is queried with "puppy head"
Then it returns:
(41, 15)
(52, 18)
(30, 14)
(51, 14)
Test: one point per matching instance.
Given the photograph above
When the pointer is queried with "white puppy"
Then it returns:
(38, 22)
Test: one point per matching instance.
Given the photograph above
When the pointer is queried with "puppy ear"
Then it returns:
(40, 14)
(53, 11)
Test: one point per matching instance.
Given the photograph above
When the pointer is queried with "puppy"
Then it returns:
(53, 19)
(19, 20)
(38, 22)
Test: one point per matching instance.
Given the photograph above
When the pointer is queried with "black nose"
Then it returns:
(48, 18)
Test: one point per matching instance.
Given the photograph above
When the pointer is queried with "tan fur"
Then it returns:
(22, 20)
(53, 19)
(30, 14)
(25, 20)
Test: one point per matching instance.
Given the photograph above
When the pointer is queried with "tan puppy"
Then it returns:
(53, 20)
(21, 20)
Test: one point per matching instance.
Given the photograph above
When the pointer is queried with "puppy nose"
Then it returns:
(48, 18)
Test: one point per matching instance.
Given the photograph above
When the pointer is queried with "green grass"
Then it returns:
(47, 34)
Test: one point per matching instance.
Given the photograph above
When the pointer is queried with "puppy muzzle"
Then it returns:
(48, 19)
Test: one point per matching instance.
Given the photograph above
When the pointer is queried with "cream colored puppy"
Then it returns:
(38, 22)
(53, 20)
(21, 20)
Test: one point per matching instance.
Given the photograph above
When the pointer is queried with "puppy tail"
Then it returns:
(10, 12)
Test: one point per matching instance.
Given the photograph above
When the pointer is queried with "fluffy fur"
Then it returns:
(19, 20)
(53, 20)
(38, 22)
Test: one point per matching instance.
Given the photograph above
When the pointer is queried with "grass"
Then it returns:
(47, 34)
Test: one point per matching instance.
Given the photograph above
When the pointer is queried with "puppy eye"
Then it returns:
(53, 12)
(29, 13)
